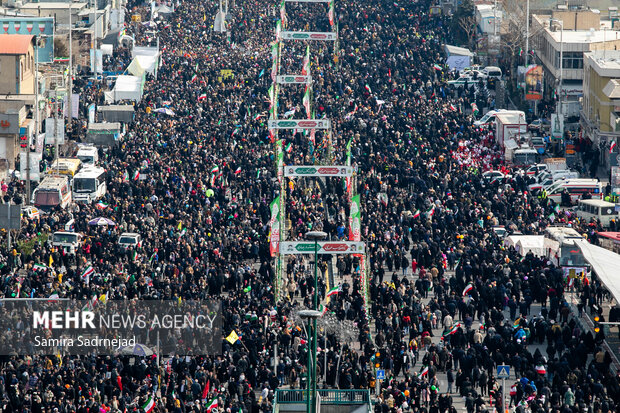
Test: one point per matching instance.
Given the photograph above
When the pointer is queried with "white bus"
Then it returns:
(598, 209)
(576, 188)
(561, 248)
(89, 184)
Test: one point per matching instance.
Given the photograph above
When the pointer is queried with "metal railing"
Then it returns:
(328, 396)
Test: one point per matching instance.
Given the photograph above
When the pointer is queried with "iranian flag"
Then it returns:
(431, 212)
(88, 271)
(306, 100)
(453, 108)
(322, 309)
(194, 78)
(305, 70)
(367, 88)
(467, 289)
(212, 405)
(39, 267)
(202, 97)
(238, 171)
(337, 289)
(330, 14)
(436, 67)
(423, 373)
(205, 391)
(136, 175)
(540, 369)
(453, 330)
(101, 205)
(215, 169)
(149, 405)
(612, 146)
(417, 214)
(289, 147)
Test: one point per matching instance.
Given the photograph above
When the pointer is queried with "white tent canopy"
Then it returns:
(605, 264)
(527, 243)
(147, 57)
(126, 88)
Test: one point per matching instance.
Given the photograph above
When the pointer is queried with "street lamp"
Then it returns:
(561, 23)
(316, 236)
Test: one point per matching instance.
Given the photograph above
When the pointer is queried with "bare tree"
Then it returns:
(468, 25)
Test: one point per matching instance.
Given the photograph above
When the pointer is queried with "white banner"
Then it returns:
(324, 247)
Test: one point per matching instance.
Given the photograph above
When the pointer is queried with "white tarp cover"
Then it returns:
(127, 88)
(527, 243)
(107, 49)
(135, 68)
(148, 57)
(605, 264)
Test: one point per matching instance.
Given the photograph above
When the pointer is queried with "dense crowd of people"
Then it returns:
(203, 214)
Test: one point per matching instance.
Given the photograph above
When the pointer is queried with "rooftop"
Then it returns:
(605, 59)
(52, 5)
(14, 44)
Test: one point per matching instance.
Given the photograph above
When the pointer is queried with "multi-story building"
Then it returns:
(17, 95)
(600, 117)
(570, 33)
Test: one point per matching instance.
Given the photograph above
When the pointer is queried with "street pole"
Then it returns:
(36, 116)
(95, 40)
(495, 18)
(316, 236)
(314, 335)
(527, 32)
(70, 94)
(504, 406)
(561, 69)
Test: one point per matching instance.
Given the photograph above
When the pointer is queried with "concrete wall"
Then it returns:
(17, 73)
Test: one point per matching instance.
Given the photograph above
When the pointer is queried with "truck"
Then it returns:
(509, 124)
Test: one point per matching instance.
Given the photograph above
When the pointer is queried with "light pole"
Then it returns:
(561, 80)
(311, 315)
(316, 236)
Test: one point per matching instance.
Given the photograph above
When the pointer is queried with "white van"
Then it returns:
(89, 184)
(576, 189)
(488, 117)
(598, 209)
(493, 72)
(88, 154)
(53, 191)
(68, 241)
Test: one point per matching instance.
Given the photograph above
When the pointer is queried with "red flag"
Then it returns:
(120, 382)
(205, 391)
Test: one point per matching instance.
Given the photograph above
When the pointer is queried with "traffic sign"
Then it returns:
(503, 372)
(323, 36)
(338, 171)
(380, 374)
(299, 124)
(293, 79)
(325, 247)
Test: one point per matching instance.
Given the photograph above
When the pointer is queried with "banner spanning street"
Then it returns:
(293, 79)
(299, 124)
(338, 171)
(323, 36)
(325, 247)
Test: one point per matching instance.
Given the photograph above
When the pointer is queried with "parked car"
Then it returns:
(536, 169)
(490, 177)
(538, 143)
(128, 240)
(539, 125)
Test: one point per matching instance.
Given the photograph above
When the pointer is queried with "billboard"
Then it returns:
(533, 82)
